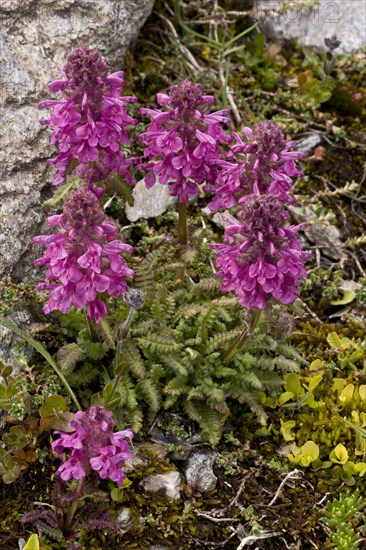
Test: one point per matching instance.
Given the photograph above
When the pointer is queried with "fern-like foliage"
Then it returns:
(93, 350)
(84, 375)
(91, 518)
(105, 333)
(134, 361)
(208, 286)
(159, 343)
(210, 421)
(46, 520)
(150, 394)
(144, 270)
(172, 357)
(69, 355)
(182, 337)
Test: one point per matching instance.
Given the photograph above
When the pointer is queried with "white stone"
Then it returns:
(148, 203)
(306, 145)
(169, 483)
(310, 25)
(124, 518)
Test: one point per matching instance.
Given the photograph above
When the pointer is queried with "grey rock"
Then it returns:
(35, 38)
(124, 518)
(11, 345)
(148, 203)
(169, 484)
(323, 234)
(350, 285)
(326, 237)
(199, 472)
(137, 461)
(308, 144)
(310, 25)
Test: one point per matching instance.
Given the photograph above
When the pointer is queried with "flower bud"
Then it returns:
(135, 298)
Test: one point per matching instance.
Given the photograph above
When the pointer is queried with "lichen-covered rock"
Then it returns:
(10, 344)
(322, 234)
(137, 461)
(310, 22)
(124, 518)
(308, 144)
(199, 472)
(35, 38)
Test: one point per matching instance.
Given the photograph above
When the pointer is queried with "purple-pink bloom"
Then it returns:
(183, 139)
(259, 162)
(84, 258)
(263, 258)
(93, 446)
(89, 119)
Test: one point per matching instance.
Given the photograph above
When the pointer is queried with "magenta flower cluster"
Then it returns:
(264, 256)
(84, 258)
(183, 140)
(261, 162)
(93, 445)
(89, 119)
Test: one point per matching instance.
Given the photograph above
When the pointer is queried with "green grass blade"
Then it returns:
(358, 429)
(243, 33)
(42, 350)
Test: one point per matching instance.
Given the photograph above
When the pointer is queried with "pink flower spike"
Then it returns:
(183, 140)
(265, 259)
(84, 259)
(71, 469)
(58, 85)
(89, 122)
(54, 221)
(114, 247)
(93, 446)
(258, 162)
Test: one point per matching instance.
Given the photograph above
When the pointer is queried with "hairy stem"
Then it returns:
(88, 324)
(183, 235)
(183, 232)
(74, 505)
(121, 335)
(247, 332)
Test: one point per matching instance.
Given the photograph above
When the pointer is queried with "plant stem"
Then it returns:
(248, 331)
(87, 321)
(121, 335)
(183, 235)
(74, 505)
(183, 232)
